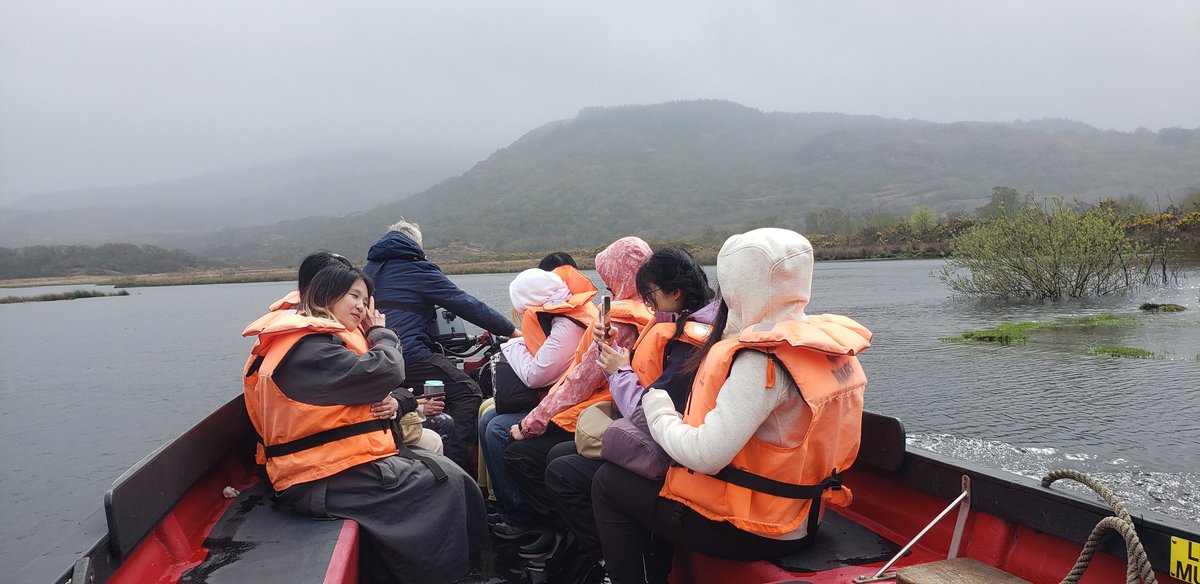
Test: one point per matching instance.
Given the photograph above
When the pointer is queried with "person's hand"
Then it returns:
(611, 359)
(516, 334)
(515, 432)
(433, 405)
(601, 333)
(385, 409)
(373, 317)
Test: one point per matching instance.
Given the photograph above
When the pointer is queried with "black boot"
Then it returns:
(543, 545)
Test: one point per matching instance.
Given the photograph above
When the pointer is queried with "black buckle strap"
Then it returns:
(325, 437)
(756, 482)
(339, 433)
(255, 365)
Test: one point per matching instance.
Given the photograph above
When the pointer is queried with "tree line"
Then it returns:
(41, 261)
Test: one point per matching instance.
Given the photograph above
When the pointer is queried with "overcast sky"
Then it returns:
(98, 93)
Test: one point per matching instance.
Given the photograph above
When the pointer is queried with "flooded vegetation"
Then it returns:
(1152, 307)
(1124, 352)
(1019, 332)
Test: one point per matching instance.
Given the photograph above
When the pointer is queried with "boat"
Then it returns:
(198, 510)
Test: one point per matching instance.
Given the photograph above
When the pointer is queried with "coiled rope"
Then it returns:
(1138, 569)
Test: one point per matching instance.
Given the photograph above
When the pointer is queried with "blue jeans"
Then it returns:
(493, 439)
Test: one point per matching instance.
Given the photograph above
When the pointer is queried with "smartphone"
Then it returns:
(605, 306)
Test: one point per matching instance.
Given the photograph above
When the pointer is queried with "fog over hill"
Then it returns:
(658, 171)
(667, 170)
(320, 184)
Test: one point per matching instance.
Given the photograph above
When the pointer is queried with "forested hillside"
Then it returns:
(669, 170)
(110, 259)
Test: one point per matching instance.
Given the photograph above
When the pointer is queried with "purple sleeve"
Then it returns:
(626, 390)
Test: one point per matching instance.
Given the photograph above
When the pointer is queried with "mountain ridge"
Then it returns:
(671, 170)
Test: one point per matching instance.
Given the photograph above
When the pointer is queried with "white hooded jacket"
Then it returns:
(535, 288)
(765, 277)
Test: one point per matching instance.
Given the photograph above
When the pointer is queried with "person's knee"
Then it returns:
(556, 475)
(484, 421)
(600, 483)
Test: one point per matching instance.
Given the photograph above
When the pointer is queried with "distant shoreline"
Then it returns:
(583, 257)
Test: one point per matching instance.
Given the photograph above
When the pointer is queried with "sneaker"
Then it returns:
(503, 530)
(495, 518)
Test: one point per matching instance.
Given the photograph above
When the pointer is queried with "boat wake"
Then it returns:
(1173, 494)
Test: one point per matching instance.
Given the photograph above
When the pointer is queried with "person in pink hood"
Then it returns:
(535, 434)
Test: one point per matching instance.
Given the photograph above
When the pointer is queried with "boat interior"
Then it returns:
(169, 519)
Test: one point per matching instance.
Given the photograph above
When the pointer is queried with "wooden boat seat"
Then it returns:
(256, 540)
(958, 571)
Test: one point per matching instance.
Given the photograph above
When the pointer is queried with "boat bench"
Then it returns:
(271, 543)
(170, 510)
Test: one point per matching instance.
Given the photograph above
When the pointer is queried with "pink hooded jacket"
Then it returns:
(617, 265)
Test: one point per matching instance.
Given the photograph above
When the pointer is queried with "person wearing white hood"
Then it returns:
(530, 366)
(755, 449)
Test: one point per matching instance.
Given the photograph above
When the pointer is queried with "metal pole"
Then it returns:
(880, 574)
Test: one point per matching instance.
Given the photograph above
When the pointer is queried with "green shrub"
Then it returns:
(1045, 252)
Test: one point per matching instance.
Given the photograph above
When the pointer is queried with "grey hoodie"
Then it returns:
(765, 277)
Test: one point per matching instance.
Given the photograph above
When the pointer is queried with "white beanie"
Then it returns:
(535, 287)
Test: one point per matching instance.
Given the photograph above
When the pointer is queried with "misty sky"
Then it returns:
(99, 93)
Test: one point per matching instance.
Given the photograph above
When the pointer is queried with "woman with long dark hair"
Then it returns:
(323, 396)
(674, 284)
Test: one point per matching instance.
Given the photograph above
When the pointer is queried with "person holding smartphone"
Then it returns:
(553, 420)
(674, 284)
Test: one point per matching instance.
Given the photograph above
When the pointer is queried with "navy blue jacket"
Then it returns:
(403, 274)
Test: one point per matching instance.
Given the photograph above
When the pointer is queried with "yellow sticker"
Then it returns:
(1185, 560)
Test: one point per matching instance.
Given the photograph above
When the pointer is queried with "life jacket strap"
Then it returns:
(431, 464)
(255, 365)
(325, 437)
(757, 482)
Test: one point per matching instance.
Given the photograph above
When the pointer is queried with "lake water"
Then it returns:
(91, 386)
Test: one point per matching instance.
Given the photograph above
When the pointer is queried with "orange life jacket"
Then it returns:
(303, 442)
(649, 354)
(291, 300)
(769, 490)
(536, 322)
(576, 282)
(629, 312)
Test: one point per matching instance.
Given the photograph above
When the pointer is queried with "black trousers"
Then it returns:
(462, 403)
(569, 480)
(628, 510)
(526, 463)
